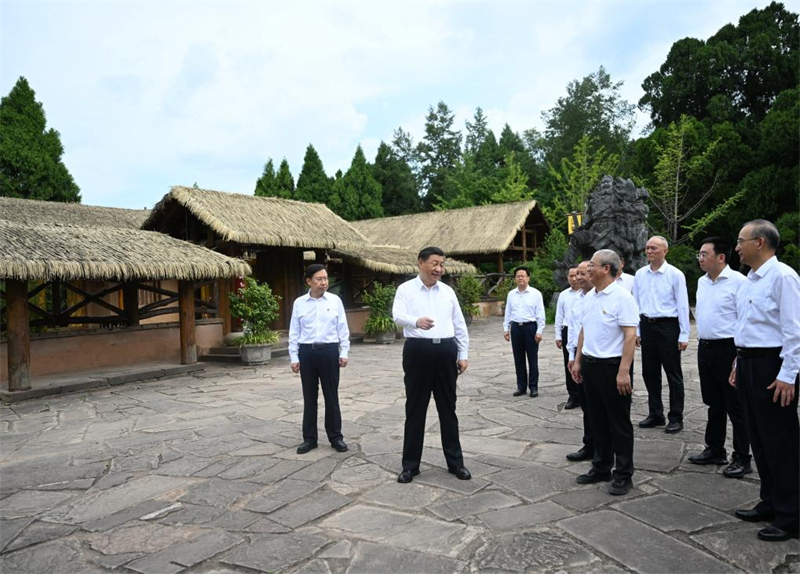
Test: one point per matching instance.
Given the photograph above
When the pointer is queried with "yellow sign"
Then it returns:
(574, 220)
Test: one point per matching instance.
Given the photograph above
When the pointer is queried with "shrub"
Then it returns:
(257, 306)
(380, 301)
(469, 291)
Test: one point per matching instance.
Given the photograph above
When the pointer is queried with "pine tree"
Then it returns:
(397, 181)
(439, 152)
(265, 185)
(30, 154)
(312, 183)
(359, 196)
(515, 187)
(476, 132)
(284, 182)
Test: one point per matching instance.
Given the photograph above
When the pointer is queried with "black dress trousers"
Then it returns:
(524, 346)
(660, 349)
(572, 388)
(774, 438)
(714, 361)
(319, 365)
(430, 368)
(610, 415)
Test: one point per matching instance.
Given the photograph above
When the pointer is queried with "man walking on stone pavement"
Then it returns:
(566, 300)
(660, 292)
(602, 363)
(523, 325)
(624, 279)
(767, 339)
(586, 452)
(716, 323)
(434, 354)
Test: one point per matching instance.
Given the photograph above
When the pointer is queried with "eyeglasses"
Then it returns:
(739, 241)
(702, 255)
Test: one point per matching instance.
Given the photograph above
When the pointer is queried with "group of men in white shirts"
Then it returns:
(748, 331)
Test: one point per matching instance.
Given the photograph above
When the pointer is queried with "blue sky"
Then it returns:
(147, 95)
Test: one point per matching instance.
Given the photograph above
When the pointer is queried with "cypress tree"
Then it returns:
(312, 183)
(265, 185)
(284, 182)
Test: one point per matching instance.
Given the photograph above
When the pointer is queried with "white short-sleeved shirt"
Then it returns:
(319, 320)
(523, 307)
(716, 305)
(604, 315)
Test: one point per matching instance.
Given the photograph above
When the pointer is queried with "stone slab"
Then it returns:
(9, 529)
(139, 538)
(535, 482)
(402, 496)
(51, 557)
(668, 512)
(118, 518)
(471, 505)
(524, 516)
(370, 558)
(746, 551)
(39, 532)
(27, 503)
(657, 455)
(713, 490)
(309, 508)
(219, 492)
(443, 479)
(531, 551)
(270, 552)
(613, 534)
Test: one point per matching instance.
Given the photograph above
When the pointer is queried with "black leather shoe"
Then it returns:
(407, 476)
(572, 404)
(592, 477)
(534, 394)
(674, 427)
(339, 445)
(305, 447)
(738, 467)
(620, 486)
(583, 454)
(754, 515)
(708, 457)
(651, 422)
(461, 473)
(774, 534)
(519, 393)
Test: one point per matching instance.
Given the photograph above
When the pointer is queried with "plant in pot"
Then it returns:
(468, 291)
(257, 306)
(380, 323)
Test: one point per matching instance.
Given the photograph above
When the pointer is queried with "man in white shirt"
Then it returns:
(566, 300)
(660, 292)
(716, 323)
(767, 341)
(586, 452)
(602, 363)
(523, 326)
(624, 279)
(434, 354)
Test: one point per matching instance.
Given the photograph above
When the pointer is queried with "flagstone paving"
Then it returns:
(199, 474)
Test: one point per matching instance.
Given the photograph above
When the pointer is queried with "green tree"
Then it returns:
(400, 195)
(577, 176)
(476, 132)
(313, 185)
(265, 185)
(284, 182)
(736, 74)
(30, 154)
(593, 106)
(468, 186)
(515, 185)
(358, 196)
(439, 152)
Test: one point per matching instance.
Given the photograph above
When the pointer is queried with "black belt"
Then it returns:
(523, 323)
(318, 345)
(753, 352)
(607, 361)
(647, 319)
(710, 343)
(430, 341)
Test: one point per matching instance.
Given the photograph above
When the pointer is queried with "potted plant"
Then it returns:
(380, 323)
(469, 290)
(257, 306)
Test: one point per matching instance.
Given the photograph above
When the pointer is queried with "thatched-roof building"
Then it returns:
(508, 231)
(393, 260)
(97, 274)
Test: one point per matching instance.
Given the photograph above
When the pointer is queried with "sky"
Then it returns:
(147, 95)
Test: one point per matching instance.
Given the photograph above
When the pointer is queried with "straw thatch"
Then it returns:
(394, 260)
(48, 252)
(255, 220)
(484, 229)
(33, 212)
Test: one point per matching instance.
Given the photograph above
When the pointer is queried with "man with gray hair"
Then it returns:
(767, 339)
(660, 292)
(602, 363)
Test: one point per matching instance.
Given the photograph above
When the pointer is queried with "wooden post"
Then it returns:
(55, 290)
(19, 338)
(524, 245)
(500, 263)
(188, 339)
(224, 288)
(130, 302)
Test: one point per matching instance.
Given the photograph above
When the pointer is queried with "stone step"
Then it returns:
(224, 351)
(219, 358)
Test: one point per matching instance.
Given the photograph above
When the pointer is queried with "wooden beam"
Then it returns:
(225, 304)
(187, 326)
(19, 337)
(130, 301)
(524, 245)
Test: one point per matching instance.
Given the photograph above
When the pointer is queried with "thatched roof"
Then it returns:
(483, 229)
(394, 260)
(35, 212)
(29, 251)
(255, 220)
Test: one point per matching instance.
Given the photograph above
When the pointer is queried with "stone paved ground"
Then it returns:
(200, 474)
